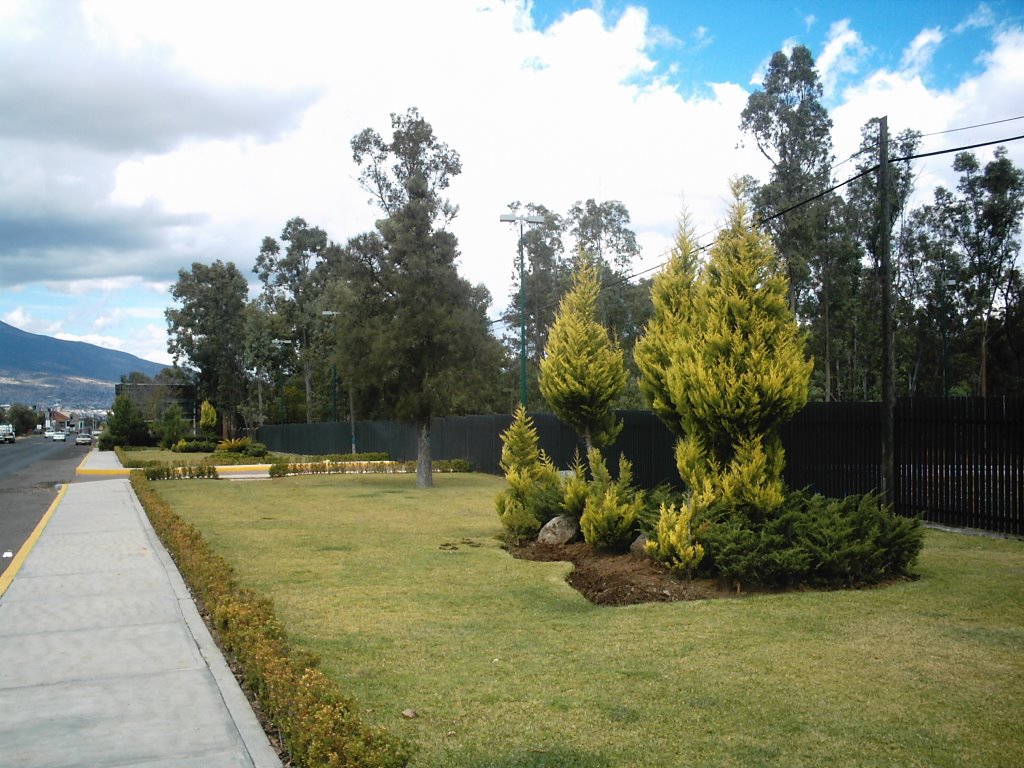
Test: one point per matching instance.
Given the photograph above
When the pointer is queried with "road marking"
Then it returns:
(12, 570)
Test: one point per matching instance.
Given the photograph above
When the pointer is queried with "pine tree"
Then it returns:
(672, 297)
(582, 371)
(737, 373)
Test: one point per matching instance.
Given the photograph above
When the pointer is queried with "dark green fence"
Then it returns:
(959, 461)
(644, 440)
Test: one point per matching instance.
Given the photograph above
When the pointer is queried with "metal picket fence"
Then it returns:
(959, 461)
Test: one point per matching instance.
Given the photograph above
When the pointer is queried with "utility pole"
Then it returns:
(522, 219)
(888, 384)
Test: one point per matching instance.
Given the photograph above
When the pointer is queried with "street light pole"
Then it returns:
(334, 375)
(522, 219)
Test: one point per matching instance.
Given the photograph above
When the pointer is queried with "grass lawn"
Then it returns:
(507, 666)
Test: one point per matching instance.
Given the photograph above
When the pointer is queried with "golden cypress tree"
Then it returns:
(672, 296)
(738, 373)
(582, 372)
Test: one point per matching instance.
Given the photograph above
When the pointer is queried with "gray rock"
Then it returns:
(558, 530)
(637, 548)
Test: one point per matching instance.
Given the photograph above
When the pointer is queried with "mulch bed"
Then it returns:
(621, 579)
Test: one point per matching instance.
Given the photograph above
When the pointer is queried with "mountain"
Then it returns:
(41, 370)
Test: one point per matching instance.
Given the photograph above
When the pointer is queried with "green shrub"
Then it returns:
(157, 471)
(194, 444)
(575, 489)
(610, 515)
(534, 493)
(514, 511)
(609, 520)
(318, 724)
(357, 457)
(812, 540)
(109, 442)
(662, 495)
(279, 469)
(673, 542)
(171, 426)
(255, 450)
(452, 465)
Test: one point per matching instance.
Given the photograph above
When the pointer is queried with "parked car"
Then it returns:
(83, 438)
(61, 437)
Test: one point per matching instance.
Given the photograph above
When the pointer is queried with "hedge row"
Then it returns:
(319, 725)
(280, 469)
(185, 472)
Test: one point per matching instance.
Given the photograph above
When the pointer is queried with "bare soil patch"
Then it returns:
(621, 579)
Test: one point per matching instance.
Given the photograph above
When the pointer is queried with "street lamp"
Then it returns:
(522, 219)
(334, 386)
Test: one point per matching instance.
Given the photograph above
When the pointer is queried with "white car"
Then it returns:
(60, 436)
(49, 434)
(83, 438)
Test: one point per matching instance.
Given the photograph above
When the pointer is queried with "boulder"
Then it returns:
(638, 547)
(558, 530)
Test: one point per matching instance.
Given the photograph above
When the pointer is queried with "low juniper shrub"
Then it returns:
(812, 540)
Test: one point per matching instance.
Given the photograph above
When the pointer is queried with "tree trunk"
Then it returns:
(424, 470)
(588, 443)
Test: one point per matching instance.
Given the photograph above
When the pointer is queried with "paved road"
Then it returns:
(31, 472)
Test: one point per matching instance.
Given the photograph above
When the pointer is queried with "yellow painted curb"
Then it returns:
(242, 468)
(119, 472)
(12, 570)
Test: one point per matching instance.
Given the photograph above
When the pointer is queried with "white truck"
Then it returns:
(6, 433)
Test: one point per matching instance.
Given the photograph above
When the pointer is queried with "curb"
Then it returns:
(19, 559)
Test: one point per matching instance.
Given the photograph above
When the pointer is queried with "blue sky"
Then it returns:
(138, 138)
(729, 41)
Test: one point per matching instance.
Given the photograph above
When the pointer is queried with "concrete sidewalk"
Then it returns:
(104, 659)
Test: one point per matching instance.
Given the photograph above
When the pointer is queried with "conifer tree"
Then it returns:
(534, 493)
(737, 373)
(672, 296)
(582, 371)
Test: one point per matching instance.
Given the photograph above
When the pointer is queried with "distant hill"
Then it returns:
(41, 370)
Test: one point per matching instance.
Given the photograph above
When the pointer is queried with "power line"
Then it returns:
(626, 278)
(874, 144)
(831, 189)
(971, 127)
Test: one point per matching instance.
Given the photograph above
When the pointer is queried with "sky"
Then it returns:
(137, 138)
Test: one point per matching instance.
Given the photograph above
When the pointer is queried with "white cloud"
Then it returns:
(910, 103)
(843, 51)
(19, 318)
(981, 18)
(918, 55)
(578, 109)
(107, 342)
(702, 38)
